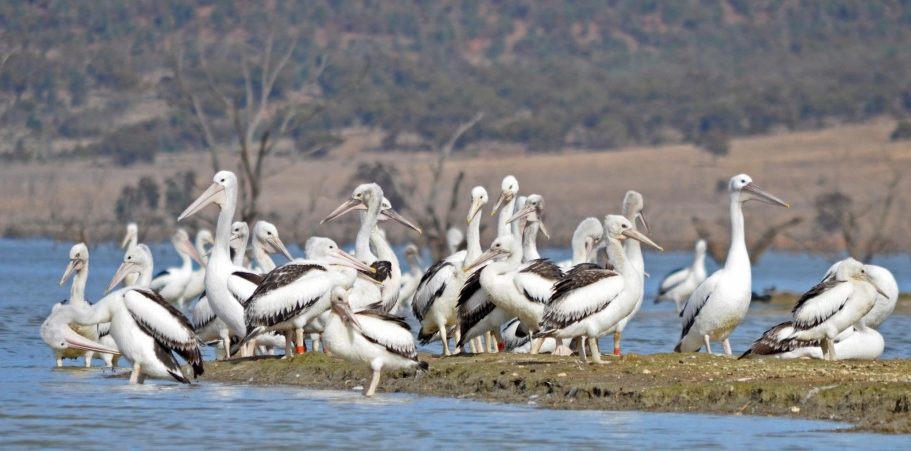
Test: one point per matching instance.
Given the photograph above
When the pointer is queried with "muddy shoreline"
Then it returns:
(872, 395)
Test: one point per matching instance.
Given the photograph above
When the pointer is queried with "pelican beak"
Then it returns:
(764, 196)
(126, 240)
(505, 197)
(543, 230)
(487, 256)
(638, 236)
(71, 268)
(76, 341)
(475, 208)
(589, 247)
(878, 289)
(395, 216)
(641, 217)
(343, 309)
(214, 194)
(342, 258)
(525, 212)
(278, 246)
(348, 205)
(190, 250)
(125, 269)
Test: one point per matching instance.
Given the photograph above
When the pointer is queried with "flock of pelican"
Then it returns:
(502, 298)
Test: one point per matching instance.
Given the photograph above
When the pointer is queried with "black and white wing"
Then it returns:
(432, 286)
(697, 301)
(777, 341)
(474, 305)
(166, 324)
(536, 279)
(242, 284)
(160, 280)
(388, 331)
(822, 302)
(286, 292)
(579, 296)
(672, 279)
(202, 314)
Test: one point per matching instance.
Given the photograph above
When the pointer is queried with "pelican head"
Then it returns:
(478, 200)
(326, 251)
(341, 307)
(131, 235)
(413, 254)
(203, 239)
(634, 208)
(532, 211)
(181, 241)
(366, 196)
(505, 245)
(454, 238)
(79, 259)
(742, 185)
(240, 234)
(224, 187)
(851, 270)
(137, 259)
(508, 190)
(619, 228)
(58, 334)
(267, 234)
(589, 231)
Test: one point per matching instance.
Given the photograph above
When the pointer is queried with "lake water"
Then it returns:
(87, 409)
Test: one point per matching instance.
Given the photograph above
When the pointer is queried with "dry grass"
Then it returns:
(678, 182)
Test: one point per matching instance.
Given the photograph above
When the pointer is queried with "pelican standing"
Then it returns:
(371, 337)
(171, 283)
(633, 211)
(680, 283)
(721, 302)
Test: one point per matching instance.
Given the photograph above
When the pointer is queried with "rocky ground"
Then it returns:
(872, 395)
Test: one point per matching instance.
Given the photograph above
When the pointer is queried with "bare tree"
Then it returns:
(717, 248)
(256, 121)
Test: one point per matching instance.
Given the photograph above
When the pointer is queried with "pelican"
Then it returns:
(266, 241)
(584, 242)
(860, 341)
(591, 301)
(147, 330)
(680, 283)
(197, 283)
(517, 339)
(240, 233)
(129, 240)
(454, 239)
(171, 283)
(371, 337)
(299, 291)
(226, 283)
(721, 302)
(633, 211)
(63, 340)
(411, 279)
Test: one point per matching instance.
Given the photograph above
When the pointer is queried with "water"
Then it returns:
(79, 408)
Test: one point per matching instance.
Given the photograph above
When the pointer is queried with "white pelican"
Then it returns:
(145, 327)
(591, 300)
(454, 239)
(860, 341)
(299, 291)
(240, 233)
(266, 241)
(226, 284)
(633, 211)
(197, 283)
(720, 303)
(129, 240)
(434, 303)
(375, 338)
(171, 283)
(79, 266)
(585, 240)
(517, 339)
(410, 279)
(680, 283)
(63, 340)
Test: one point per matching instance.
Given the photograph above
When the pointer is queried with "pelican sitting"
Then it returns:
(374, 338)
(129, 240)
(63, 340)
(721, 302)
(171, 283)
(197, 283)
(680, 283)
(146, 328)
(591, 301)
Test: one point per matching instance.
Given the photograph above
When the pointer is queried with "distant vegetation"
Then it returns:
(98, 77)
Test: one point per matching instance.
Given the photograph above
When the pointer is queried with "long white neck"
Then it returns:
(145, 274)
(263, 260)
(699, 261)
(506, 212)
(578, 245)
(368, 223)
(221, 249)
(77, 289)
(239, 252)
(530, 242)
(617, 257)
(473, 238)
(186, 263)
(737, 254)
(633, 249)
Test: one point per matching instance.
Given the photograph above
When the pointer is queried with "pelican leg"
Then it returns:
(457, 337)
(562, 349)
(374, 381)
(491, 344)
(593, 348)
(828, 349)
(226, 342)
(445, 339)
(708, 344)
(315, 338)
(536, 345)
(89, 355)
(499, 344)
(580, 344)
(108, 360)
(289, 344)
(727, 348)
(59, 359)
(617, 335)
(472, 345)
(299, 340)
(134, 376)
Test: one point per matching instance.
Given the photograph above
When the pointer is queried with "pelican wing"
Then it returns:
(536, 280)
(581, 295)
(242, 284)
(474, 303)
(163, 322)
(160, 280)
(432, 286)
(203, 315)
(776, 341)
(387, 332)
(697, 300)
(515, 335)
(672, 279)
(821, 303)
(285, 292)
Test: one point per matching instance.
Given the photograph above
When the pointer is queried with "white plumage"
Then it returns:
(680, 284)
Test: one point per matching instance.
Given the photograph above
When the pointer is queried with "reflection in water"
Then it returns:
(76, 407)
